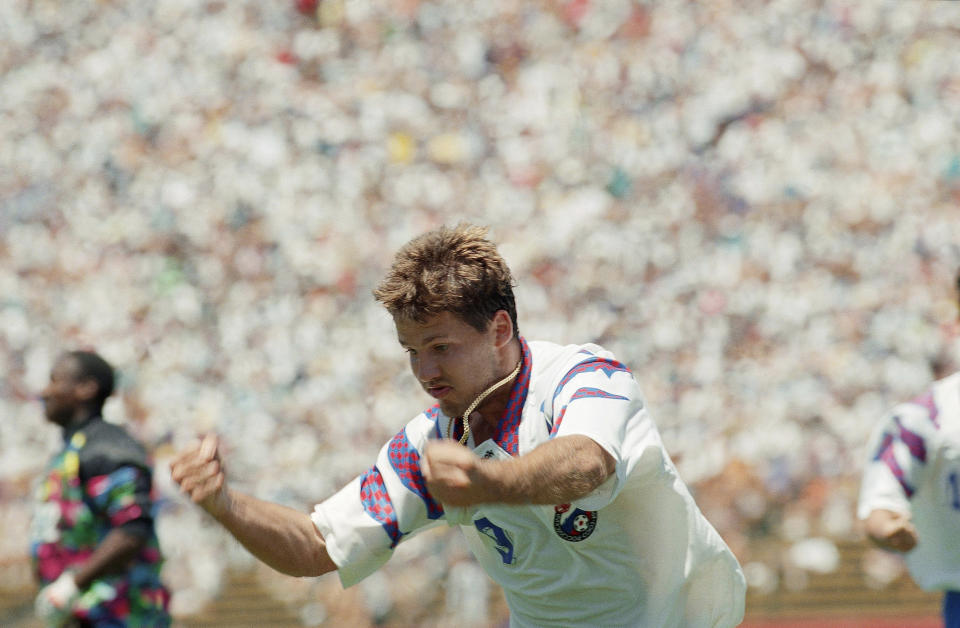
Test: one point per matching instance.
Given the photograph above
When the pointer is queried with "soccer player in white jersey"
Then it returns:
(544, 455)
(910, 491)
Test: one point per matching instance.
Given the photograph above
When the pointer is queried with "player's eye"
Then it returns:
(441, 348)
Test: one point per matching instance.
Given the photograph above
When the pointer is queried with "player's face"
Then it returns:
(60, 400)
(452, 361)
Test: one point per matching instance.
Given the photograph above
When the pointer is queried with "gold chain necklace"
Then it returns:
(476, 402)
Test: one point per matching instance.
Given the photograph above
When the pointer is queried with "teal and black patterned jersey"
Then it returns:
(100, 481)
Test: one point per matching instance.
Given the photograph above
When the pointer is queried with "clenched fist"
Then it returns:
(455, 476)
(200, 473)
(55, 601)
(892, 530)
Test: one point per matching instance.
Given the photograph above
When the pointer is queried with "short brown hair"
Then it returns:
(449, 270)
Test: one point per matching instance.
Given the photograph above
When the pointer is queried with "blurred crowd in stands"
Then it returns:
(754, 205)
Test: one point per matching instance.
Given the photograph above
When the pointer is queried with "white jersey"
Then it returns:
(913, 467)
(635, 552)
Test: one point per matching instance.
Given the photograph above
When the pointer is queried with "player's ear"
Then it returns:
(502, 327)
(87, 389)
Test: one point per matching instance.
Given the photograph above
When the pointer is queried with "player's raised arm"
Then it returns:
(281, 537)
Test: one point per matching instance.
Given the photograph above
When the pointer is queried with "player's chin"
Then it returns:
(451, 408)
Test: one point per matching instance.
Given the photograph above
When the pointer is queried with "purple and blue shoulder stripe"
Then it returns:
(912, 441)
(591, 365)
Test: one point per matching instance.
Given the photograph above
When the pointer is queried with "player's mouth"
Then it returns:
(438, 392)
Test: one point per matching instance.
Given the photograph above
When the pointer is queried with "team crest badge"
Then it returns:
(573, 524)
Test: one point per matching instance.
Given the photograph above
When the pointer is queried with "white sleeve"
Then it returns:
(363, 522)
(896, 460)
(601, 399)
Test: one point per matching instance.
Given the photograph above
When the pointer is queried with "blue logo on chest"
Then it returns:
(501, 540)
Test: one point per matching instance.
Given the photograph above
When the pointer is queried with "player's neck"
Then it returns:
(492, 409)
(482, 428)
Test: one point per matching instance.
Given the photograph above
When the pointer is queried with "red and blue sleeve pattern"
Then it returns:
(364, 521)
(404, 464)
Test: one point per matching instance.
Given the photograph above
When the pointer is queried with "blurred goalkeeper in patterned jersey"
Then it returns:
(93, 542)
(544, 455)
(910, 490)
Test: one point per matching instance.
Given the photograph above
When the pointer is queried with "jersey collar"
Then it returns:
(509, 426)
(69, 430)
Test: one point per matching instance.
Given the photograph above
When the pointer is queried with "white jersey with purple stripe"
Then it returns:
(635, 552)
(913, 467)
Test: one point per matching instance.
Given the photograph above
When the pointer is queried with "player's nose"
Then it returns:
(426, 370)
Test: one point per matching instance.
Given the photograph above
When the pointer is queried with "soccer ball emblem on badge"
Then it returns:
(573, 526)
(581, 523)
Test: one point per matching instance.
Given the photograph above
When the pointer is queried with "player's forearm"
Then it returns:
(559, 471)
(112, 555)
(281, 537)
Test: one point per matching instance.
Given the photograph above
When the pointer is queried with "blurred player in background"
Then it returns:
(93, 541)
(544, 455)
(910, 493)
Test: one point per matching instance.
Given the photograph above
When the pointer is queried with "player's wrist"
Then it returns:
(499, 481)
(220, 505)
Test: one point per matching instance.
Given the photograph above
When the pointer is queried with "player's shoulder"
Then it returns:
(593, 359)
(942, 402)
(938, 402)
(575, 367)
(550, 356)
(426, 425)
(111, 445)
(950, 382)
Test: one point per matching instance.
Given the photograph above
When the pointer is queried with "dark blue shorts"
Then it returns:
(951, 609)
